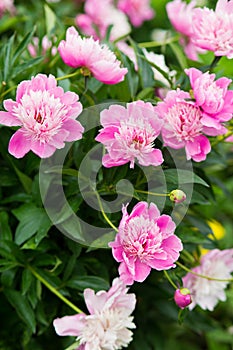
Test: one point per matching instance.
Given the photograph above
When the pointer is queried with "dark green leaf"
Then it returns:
(93, 282)
(5, 230)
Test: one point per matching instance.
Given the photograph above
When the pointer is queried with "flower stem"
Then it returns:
(103, 213)
(203, 276)
(153, 193)
(222, 138)
(71, 75)
(214, 63)
(54, 290)
(169, 279)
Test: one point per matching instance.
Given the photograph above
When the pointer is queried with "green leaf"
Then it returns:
(5, 230)
(24, 179)
(181, 176)
(27, 278)
(22, 68)
(7, 58)
(93, 282)
(181, 58)
(50, 19)
(22, 45)
(22, 307)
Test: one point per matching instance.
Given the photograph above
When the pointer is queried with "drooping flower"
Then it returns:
(128, 134)
(96, 20)
(145, 241)
(180, 15)
(138, 11)
(182, 297)
(46, 45)
(205, 292)
(6, 6)
(46, 116)
(213, 30)
(109, 322)
(89, 54)
(183, 126)
(214, 98)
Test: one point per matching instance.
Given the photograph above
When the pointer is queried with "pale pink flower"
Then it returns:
(145, 241)
(46, 116)
(183, 126)
(138, 11)
(101, 17)
(214, 98)
(88, 53)
(205, 292)
(107, 325)
(46, 45)
(180, 15)
(213, 30)
(128, 134)
(7, 6)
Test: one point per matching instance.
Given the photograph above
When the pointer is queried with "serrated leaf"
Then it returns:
(22, 307)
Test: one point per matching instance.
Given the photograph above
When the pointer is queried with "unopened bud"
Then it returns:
(182, 297)
(177, 196)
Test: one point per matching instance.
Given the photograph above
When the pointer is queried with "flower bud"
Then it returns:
(177, 196)
(182, 297)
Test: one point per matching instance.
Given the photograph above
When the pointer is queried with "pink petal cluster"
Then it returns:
(128, 133)
(205, 292)
(213, 30)
(109, 322)
(88, 53)
(138, 11)
(46, 45)
(214, 99)
(180, 15)
(101, 17)
(183, 126)
(46, 117)
(145, 241)
(6, 6)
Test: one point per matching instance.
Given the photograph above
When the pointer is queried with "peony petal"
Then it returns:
(74, 128)
(6, 118)
(19, 145)
(69, 325)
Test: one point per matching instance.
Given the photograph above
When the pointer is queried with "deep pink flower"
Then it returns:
(182, 297)
(46, 115)
(214, 98)
(205, 292)
(88, 53)
(137, 10)
(145, 241)
(128, 134)
(183, 126)
(213, 30)
(96, 20)
(180, 15)
(107, 325)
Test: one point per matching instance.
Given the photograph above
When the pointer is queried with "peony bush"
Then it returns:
(116, 128)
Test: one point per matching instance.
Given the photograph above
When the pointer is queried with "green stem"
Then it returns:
(215, 62)
(71, 75)
(169, 279)
(153, 193)
(54, 290)
(103, 213)
(8, 90)
(222, 138)
(203, 276)
(150, 44)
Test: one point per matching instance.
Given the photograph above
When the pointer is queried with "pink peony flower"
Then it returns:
(213, 98)
(107, 325)
(97, 19)
(137, 10)
(7, 6)
(88, 53)
(182, 297)
(213, 30)
(46, 115)
(145, 241)
(46, 45)
(129, 133)
(183, 126)
(180, 15)
(205, 292)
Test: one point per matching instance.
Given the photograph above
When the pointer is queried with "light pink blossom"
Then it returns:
(137, 10)
(183, 126)
(128, 133)
(109, 322)
(145, 241)
(180, 15)
(205, 292)
(214, 98)
(46, 45)
(88, 53)
(7, 6)
(46, 116)
(213, 30)
(101, 17)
